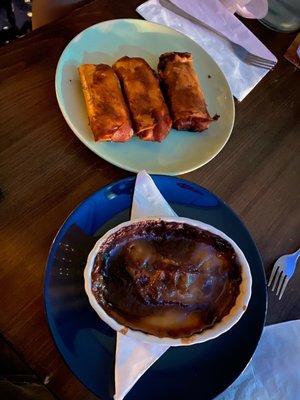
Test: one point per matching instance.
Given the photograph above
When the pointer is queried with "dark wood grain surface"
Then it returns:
(46, 171)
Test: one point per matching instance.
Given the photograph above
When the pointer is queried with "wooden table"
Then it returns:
(46, 171)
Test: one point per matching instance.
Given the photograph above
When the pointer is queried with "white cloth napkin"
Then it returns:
(242, 78)
(273, 373)
(133, 357)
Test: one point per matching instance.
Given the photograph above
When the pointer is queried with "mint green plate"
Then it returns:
(105, 42)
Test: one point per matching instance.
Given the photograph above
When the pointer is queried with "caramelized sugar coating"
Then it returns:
(141, 87)
(106, 107)
(183, 92)
(166, 278)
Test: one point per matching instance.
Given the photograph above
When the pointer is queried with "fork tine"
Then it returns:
(254, 56)
(258, 64)
(283, 287)
(276, 279)
(260, 59)
(280, 283)
(274, 270)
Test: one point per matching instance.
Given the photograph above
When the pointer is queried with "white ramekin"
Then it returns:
(220, 327)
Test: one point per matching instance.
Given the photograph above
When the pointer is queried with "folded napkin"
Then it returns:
(242, 78)
(273, 373)
(133, 357)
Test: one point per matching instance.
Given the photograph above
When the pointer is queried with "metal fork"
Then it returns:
(242, 53)
(282, 271)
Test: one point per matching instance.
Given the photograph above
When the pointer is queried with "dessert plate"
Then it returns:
(107, 41)
(87, 344)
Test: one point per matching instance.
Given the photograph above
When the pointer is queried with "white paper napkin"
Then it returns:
(147, 199)
(247, 8)
(242, 78)
(133, 357)
(274, 371)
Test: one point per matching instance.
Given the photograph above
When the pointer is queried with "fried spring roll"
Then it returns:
(106, 107)
(148, 109)
(183, 92)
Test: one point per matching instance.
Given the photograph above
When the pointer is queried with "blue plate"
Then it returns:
(88, 345)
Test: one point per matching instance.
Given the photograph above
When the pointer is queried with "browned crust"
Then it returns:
(122, 293)
(183, 92)
(165, 58)
(141, 88)
(106, 107)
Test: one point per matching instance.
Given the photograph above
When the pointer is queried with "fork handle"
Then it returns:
(296, 254)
